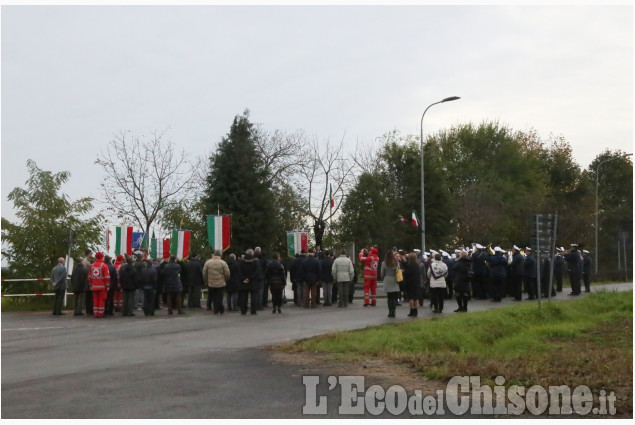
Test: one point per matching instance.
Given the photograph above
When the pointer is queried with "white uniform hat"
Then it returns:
(498, 249)
(479, 246)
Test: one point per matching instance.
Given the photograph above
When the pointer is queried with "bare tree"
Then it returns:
(283, 154)
(144, 176)
(329, 171)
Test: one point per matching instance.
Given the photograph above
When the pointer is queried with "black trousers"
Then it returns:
(450, 289)
(158, 295)
(58, 301)
(587, 281)
(479, 286)
(242, 301)
(392, 302)
(518, 287)
(89, 302)
(128, 302)
(437, 296)
(558, 278)
(148, 301)
(110, 302)
(265, 294)
(574, 278)
(194, 296)
(531, 285)
(276, 297)
(216, 294)
(497, 287)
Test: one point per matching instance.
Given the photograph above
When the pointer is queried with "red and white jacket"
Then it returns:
(99, 276)
(370, 264)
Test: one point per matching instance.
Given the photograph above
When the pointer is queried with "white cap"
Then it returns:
(585, 251)
(559, 249)
(426, 253)
(416, 250)
(432, 251)
(574, 244)
(498, 249)
(456, 251)
(527, 248)
(445, 254)
(479, 246)
(516, 248)
(454, 256)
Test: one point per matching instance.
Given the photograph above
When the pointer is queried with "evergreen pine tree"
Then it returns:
(238, 184)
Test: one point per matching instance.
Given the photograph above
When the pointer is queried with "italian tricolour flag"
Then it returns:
(180, 243)
(160, 248)
(123, 240)
(297, 241)
(218, 231)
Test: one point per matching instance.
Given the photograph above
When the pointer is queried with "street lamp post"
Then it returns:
(423, 210)
(597, 183)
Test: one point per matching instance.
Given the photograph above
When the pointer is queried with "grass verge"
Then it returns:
(583, 342)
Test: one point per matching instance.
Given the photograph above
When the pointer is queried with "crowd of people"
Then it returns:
(103, 286)
(478, 272)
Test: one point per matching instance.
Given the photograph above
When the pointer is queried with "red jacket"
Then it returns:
(370, 264)
(99, 276)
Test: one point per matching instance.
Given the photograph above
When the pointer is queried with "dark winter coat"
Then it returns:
(233, 284)
(139, 269)
(478, 263)
(297, 274)
(498, 265)
(311, 269)
(326, 267)
(194, 274)
(126, 277)
(150, 278)
(530, 266)
(412, 280)
(574, 261)
(586, 265)
(249, 268)
(171, 275)
(79, 279)
(276, 275)
(114, 278)
(461, 277)
(518, 265)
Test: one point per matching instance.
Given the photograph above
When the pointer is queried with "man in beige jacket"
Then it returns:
(216, 274)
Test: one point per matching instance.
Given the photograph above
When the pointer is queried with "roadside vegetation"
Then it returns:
(582, 342)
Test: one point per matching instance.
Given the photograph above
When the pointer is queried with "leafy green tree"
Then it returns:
(615, 199)
(373, 211)
(238, 184)
(46, 220)
(495, 181)
(568, 190)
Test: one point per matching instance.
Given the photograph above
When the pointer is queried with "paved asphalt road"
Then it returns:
(191, 366)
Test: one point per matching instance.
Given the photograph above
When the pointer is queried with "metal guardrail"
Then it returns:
(39, 294)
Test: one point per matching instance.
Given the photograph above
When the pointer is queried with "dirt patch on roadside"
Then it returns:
(375, 371)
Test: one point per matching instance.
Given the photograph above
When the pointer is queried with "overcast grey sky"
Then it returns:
(72, 76)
